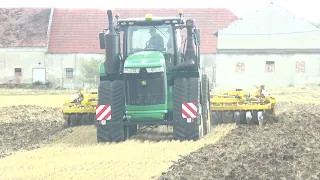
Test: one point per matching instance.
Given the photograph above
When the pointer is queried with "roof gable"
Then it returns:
(271, 19)
(24, 27)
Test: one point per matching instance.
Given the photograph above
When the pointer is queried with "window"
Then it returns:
(17, 71)
(240, 67)
(270, 66)
(138, 37)
(69, 72)
(300, 66)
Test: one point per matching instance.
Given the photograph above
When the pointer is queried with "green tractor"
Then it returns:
(145, 85)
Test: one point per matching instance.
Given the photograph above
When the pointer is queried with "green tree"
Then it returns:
(90, 72)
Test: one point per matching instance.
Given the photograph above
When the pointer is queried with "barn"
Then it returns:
(74, 39)
(270, 46)
(23, 44)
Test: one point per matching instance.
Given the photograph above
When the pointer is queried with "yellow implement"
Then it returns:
(80, 108)
(240, 107)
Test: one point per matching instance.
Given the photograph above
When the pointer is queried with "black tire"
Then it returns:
(111, 92)
(185, 90)
(209, 104)
(132, 130)
(186, 131)
(110, 133)
(204, 103)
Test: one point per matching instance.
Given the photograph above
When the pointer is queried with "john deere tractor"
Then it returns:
(148, 84)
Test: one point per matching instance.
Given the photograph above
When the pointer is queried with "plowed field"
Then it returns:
(34, 145)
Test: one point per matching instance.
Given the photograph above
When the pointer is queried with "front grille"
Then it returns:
(145, 89)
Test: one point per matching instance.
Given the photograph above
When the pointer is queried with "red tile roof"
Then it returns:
(24, 27)
(76, 30)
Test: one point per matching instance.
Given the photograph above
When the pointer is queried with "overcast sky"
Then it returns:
(307, 9)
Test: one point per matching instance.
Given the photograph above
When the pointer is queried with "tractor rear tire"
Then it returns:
(188, 90)
(205, 105)
(185, 90)
(111, 93)
(132, 130)
(110, 133)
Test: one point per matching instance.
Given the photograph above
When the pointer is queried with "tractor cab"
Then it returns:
(151, 35)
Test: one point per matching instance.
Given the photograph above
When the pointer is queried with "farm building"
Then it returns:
(74, 39)
(271, 46)
(23, 44)
(70, 37)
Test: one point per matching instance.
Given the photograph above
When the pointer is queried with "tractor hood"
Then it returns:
(145, 59)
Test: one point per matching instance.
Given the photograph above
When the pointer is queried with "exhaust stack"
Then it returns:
(112, 47)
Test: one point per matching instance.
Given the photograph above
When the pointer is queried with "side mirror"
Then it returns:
(101, 39)
(197, 32)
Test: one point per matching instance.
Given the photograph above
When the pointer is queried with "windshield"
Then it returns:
(156, 38)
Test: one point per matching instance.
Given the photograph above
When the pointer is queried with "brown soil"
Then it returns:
(25, 127)
(288, 149)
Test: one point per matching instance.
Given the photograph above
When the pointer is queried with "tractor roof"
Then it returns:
(149, 20)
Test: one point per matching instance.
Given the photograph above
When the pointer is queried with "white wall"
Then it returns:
(25, 58)
(55, 64)
(255, 73)
(308, 40)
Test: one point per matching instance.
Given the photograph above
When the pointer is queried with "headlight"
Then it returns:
(131, 70)
(155, 69)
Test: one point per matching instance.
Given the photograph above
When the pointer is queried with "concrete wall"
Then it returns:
(290, 69)
(55, 64)
(287, 41)
(25, 58)
(58, 63)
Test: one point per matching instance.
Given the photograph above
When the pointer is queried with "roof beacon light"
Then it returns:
(148, 16)
(180, 12)
(116, 14)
